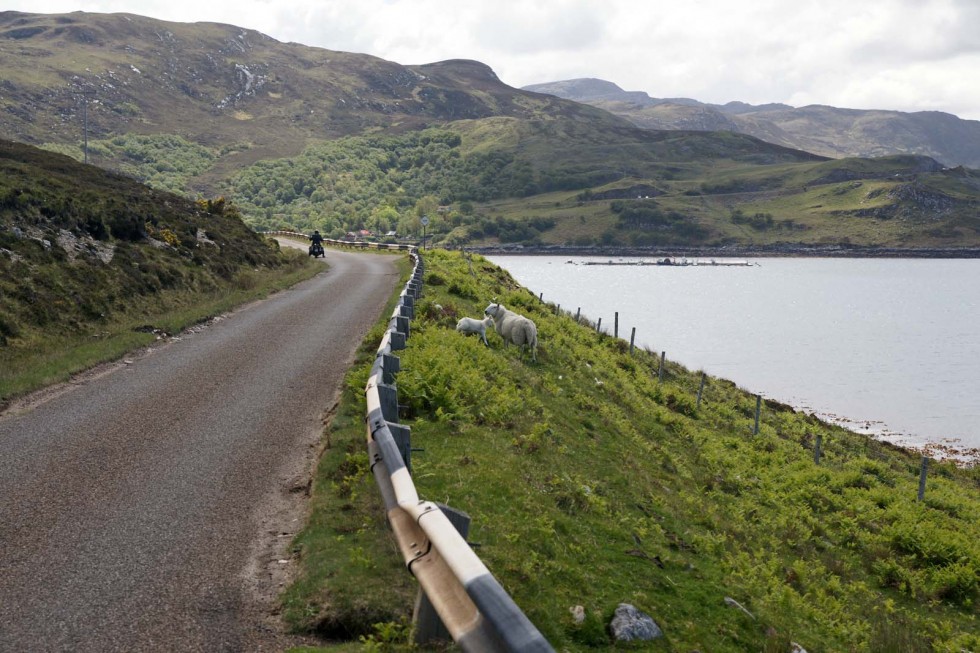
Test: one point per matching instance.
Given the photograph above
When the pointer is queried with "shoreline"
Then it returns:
(731, 251)
(946, 450)
(949, 450)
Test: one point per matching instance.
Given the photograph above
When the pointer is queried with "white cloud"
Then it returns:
(885, 54)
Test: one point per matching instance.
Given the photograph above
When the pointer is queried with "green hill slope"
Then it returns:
(547, 182)
(304, 137)
(93, 263)
(237, 93)
(590, 483)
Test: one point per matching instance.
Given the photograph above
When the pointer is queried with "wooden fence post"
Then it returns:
(578, 313)
(632, 340)
(660, 370)
(616, 326)
(598, 325)
(922, 478)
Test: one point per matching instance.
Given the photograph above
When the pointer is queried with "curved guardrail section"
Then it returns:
(355, 244)
(473, 606)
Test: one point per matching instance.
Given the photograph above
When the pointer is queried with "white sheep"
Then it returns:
(468, 325)
(514, 328)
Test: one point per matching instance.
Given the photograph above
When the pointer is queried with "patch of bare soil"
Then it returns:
(272, 564)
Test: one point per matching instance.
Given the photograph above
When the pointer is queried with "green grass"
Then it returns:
(589, 483)
(91, 261)
(345, 542)
(40, 359)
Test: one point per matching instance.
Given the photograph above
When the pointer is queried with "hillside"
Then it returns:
(93, 263)
(591, 481)
(501, 181)
(824, 130)
(304, 138)
(238, 94)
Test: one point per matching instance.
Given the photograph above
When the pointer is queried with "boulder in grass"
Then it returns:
(629, 624)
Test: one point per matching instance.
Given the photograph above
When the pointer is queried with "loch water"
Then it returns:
(890, 347)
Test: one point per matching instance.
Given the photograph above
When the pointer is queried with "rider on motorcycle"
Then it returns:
(317, 247)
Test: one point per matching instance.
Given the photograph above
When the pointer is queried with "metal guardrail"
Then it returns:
(473, 607)
(355, 244)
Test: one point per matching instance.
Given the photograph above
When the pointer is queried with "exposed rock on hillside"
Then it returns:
(213, 82)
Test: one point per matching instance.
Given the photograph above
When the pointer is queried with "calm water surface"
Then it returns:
(889, 346)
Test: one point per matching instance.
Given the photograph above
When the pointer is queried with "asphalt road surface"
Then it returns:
(134, 502)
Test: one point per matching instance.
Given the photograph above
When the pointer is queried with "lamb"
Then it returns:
(514, 328)
(468, 325)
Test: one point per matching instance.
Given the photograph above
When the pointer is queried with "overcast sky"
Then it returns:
(907, 55)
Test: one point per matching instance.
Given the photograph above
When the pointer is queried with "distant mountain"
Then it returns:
(823, 130)
(302, 137)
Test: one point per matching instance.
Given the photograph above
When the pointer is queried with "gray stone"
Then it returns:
(730, 602)
(630, 624)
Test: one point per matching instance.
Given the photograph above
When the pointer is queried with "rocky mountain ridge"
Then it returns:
(825, 130)
(214, 83)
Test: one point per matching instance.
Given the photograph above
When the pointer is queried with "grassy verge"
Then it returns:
(53, 357)
(591, 483)
(346, 542)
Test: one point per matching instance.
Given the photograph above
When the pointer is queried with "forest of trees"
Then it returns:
(653, 225)
(378, 183)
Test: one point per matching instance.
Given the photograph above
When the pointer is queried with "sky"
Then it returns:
(904, 55)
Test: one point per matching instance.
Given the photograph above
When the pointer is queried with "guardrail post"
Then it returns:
(403, 438)
(428, 626)
(388, 394)
(406, 311)
(390, 365)
(408, 301)
(401, 325)
(397, 340)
